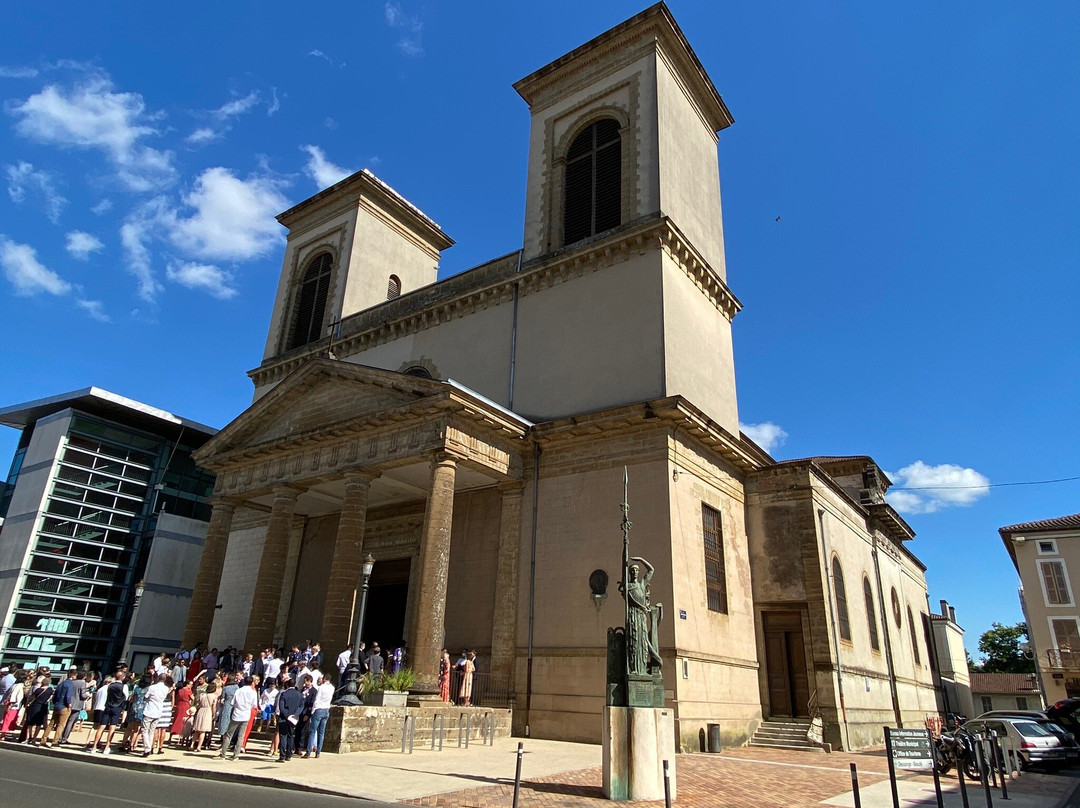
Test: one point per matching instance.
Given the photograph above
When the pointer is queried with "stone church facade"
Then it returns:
(471, 435)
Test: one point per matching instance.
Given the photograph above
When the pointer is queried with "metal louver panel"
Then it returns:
(311, 306)
(593, 190)
(393, 288)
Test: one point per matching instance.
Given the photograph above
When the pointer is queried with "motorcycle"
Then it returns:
(957, 749)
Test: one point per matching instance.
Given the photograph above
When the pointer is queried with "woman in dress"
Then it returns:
(195, 666)
(37, 709)
(444, 676)
(183, 712)
(466, 679)
(227, 693)
(86, 708)
(204, 716)
(164, 721)
(136, 704)
(14, 701)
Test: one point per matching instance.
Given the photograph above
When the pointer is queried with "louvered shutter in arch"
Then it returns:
(311, 303)
(593, 190)
(393, 287)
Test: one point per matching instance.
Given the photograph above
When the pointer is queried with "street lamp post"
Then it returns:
(349, 692)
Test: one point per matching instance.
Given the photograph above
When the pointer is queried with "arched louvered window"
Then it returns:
(914, 637)
(393, 287)
(840, 593)
(593, 201)
(871, 614)
(311, 301)
(418, 371)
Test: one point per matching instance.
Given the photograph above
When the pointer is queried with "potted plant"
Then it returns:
(389, 690)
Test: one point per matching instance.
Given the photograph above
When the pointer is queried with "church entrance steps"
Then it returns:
(787, 733)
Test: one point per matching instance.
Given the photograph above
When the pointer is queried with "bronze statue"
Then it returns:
(643, 621)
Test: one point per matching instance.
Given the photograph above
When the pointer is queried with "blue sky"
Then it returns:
(916, 301)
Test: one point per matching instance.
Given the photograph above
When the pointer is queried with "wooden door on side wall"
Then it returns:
(785, 664)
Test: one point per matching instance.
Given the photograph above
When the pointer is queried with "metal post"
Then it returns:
(999, 757)
(855, 785)
(460, 728)
(980, 764)
(412, 731)
(892, 767)
(349, 692)
(517, 774)
(937, 778)
(468, 730)
(989, 757)
(667, 786)
(963, 785)
(438, 726)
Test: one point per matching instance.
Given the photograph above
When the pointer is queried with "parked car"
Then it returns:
(1067, 738)
(1066, 713)
(1037, 745)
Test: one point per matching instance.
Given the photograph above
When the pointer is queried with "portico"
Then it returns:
(340, 460)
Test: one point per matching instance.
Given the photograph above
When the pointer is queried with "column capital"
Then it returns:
(223, 503)
(363, 475)
(285, 490)
(444, 457)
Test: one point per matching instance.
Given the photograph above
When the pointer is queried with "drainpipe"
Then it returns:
(532, 586)
(888, 643)
(935, 657)
(835, 632)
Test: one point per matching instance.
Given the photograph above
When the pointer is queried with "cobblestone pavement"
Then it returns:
(763, 778)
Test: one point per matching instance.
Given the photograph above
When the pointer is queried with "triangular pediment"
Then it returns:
(323, 394)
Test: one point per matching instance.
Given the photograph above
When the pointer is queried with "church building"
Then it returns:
(471, 435)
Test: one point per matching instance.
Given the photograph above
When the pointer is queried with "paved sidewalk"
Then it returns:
(568, 775)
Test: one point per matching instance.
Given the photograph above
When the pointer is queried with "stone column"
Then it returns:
(504, 620)
(339, 610)
(271, 574)
(208, 580)
(426, 635)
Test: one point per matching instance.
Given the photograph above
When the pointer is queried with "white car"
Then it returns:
(1036, 744)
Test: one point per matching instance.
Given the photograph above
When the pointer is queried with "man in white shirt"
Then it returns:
(272, 666)
(343, 660)
(244, 701)
(320, 713)
(152, 710)
(160, 665)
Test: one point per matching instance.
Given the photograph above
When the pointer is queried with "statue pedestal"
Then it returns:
(637, 741)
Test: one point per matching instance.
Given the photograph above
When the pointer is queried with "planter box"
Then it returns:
(386, 698)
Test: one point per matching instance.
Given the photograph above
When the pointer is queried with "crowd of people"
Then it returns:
(200, 700)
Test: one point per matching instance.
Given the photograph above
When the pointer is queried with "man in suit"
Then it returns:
(290, 705)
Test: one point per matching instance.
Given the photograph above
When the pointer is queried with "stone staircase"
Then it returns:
(788, 733)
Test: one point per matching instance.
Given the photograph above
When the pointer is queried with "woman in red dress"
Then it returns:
(195, 666)
(183, 706)
(444, 676)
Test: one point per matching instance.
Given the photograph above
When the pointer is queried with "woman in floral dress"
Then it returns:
(203, 726)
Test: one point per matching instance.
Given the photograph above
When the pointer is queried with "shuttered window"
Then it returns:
(1057, 588)
(311, 302)
(593, 200)
(393, 287)
(871, 615)
(840, 593)
(715, 575)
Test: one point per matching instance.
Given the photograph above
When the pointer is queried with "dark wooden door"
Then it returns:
(785, 664)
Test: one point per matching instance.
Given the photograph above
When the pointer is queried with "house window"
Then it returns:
(871, 617)
(1066, 634)
(593, 200)
(1021, 703)
(1047, 547)
(1055, 583)
(840, 593)
(987, 703)
(715, 579)
(895, 607)
(914, 637)
(393, 287)
(311, 302)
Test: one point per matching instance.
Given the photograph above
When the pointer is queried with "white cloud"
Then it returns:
(23, 177)
(767, 435)
(217, 282)
(90, 115)
(275, 104)
(230, 218)
(104, 206)
(411, 24)
(321, 169)
(95, 308)
(80, 245)
(931, 488)
(204, 134)
(28, 275)
(9, 72)
(238, 106)
(137, 229)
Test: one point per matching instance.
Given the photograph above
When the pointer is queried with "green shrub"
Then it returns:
(402, 680)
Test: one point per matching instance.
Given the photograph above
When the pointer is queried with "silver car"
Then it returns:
(1037, 745)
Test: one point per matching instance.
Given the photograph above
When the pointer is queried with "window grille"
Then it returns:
(715, 574)
(840, 594)
(393, 287)
(311, 302)
(593, 199)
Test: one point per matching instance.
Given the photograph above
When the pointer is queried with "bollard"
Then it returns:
(855, 786)
(989, 758)
(517, 774)
(980, 763)
(667, 786)
(995, 745)
(408, 732)
(468, 729)
(438, 721)
(963, 785)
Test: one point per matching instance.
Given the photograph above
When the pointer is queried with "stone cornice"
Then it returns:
(493, 283)
(542, 86)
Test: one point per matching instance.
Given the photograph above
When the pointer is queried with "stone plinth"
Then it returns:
(637, 741)
(359, 729)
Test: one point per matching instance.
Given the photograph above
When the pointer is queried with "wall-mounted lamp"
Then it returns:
(598, 583)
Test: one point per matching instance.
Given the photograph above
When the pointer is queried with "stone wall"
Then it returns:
(359, 729)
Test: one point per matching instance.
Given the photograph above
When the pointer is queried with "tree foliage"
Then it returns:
(1001, 651)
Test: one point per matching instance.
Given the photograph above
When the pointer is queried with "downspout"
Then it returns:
(513, 336)
(835, 632)
(888, 642)
(935, 658)
(532, 586)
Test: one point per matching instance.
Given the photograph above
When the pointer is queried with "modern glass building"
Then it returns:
(91, 477)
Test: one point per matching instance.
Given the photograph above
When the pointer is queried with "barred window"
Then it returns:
(840, 594)
(871, 616)
(393, 287)
(593, 199)
(715, 577)
(311, 302)
(914, 637)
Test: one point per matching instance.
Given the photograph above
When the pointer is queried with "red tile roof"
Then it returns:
(1009, 684)
(1058, 523)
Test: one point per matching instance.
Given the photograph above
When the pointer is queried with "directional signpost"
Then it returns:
(910, 749)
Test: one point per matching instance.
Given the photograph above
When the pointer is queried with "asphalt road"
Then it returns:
(28, 779)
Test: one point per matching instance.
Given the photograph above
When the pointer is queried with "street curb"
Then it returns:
(1067, 799)
(153, 767)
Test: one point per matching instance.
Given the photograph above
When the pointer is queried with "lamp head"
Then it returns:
(369, 564)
